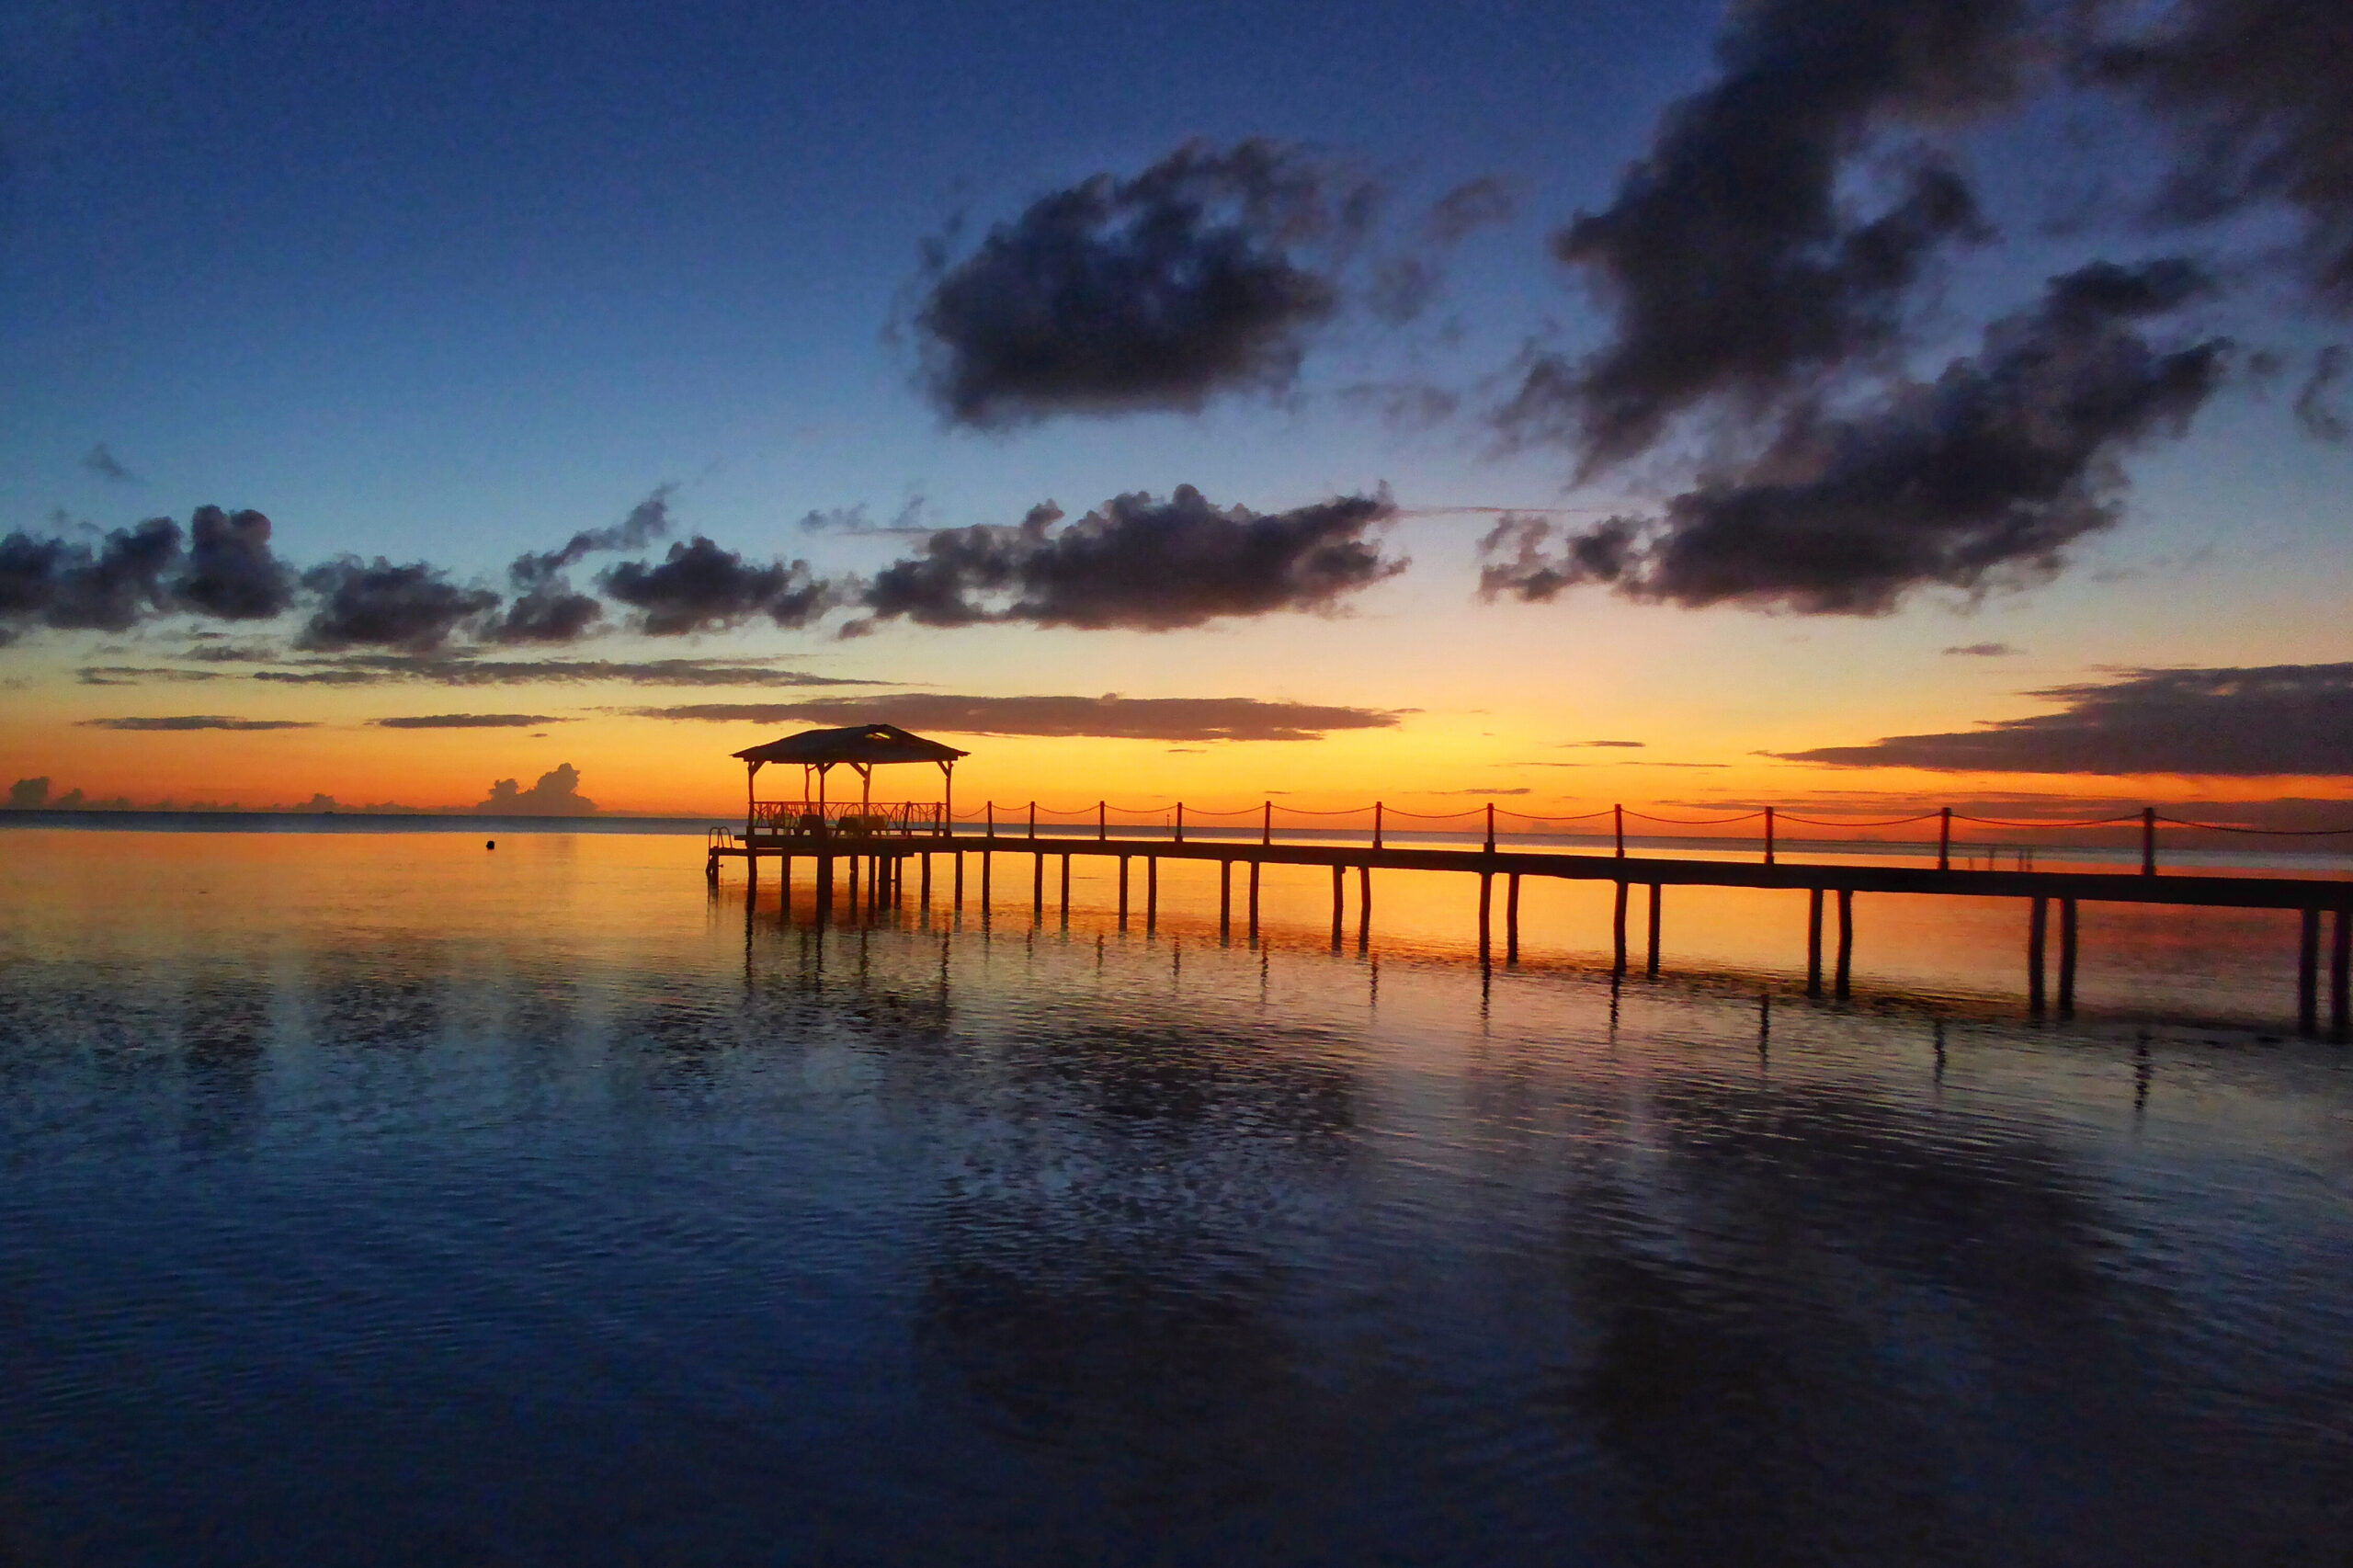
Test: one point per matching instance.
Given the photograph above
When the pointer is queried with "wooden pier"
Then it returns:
(877, 869)
(876, 844)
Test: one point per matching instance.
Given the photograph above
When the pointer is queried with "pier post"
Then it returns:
(2148, 841)
(1226, 901)
(711, 868)
(986, 867)
(924, 890)
(1265, 834)
(1618, 820)
(1618, 932)
(1254, 901)
(852, 899)
(1180, 821)
(1123, 892)
(1037, 889)
(1065, 891)
(1654, 961)
(1491, 827)
(1338, 876)
(1364, 901)
(1768, 835)
(751, 870)
(1511, 919)
(2066, 956)
(2340, 960)
(1814, 941)
(2038, 926)
(1150, 894)
(959, 882)
(1102, 824)
(1845, 981)
(2308, 975)
(1944, 839)
(1486, 902)
(1376, 825)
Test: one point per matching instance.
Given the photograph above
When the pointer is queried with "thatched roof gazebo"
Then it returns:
(862, 748)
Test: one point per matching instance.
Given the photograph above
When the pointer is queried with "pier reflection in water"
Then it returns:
(380, 1204)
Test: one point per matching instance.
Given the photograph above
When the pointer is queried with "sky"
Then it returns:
(1836, 403)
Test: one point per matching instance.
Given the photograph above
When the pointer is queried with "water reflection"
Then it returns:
(420, 1218)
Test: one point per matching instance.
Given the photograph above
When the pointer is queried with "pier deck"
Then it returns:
(883, 860)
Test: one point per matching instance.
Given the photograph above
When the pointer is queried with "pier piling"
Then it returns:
(1845, 981)
(1618, 932)
(1653, 969)
(1511, 919)
(2066, 956)
(1814, 941)
(2038, 926)
(2308, 974)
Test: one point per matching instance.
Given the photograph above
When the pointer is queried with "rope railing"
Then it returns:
(1026, 820)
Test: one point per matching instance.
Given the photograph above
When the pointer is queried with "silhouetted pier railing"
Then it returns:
(1491, 841)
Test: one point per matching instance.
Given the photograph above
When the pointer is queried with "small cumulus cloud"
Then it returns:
(1982, 651)
(557, 794)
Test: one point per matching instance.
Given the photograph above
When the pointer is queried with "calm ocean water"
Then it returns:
(376, 1198)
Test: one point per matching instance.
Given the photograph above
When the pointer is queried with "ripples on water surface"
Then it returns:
(382, 1200)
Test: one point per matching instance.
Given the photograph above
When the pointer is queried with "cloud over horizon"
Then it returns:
(2276, 721)
(1108, 717)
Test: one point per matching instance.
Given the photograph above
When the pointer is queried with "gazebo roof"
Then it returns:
(865, 745)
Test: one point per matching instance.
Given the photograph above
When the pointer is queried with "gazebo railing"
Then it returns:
(852, 819)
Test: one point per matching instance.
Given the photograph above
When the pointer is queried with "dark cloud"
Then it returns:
(1207, 273)
(1613, 746)
(1981, 650)
(199, 721)
(214, 647)
(455, 669)
(106, 465)
(700, 587)
(551, 612)
(468, 721)
(1182, 719)
(231, 575)
(1470, 206)
(141, 675)
(70, 585)
(1983, 476)
(379, 605)
(28, 794)
(2258, 95)
(1140, 563)
(557, 794)
(1731, 262)
(2320, 418)
(2280, 720)
(647, 521)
